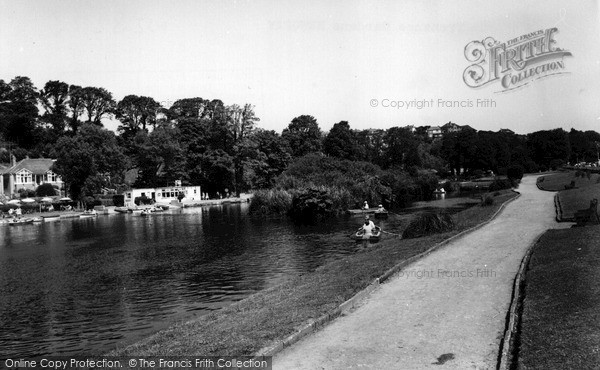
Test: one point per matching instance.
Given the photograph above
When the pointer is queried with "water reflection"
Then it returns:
(85, 286)
(82, 286)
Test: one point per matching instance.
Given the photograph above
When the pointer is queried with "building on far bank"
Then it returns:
(28, 174)
(450, 127)
(163, 194)
(434, 132)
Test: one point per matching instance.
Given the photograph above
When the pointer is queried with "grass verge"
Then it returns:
(271, 315)
(560, 325)
(577, 199)
(557, 181)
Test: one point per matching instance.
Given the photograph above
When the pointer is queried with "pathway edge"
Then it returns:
(352, 301)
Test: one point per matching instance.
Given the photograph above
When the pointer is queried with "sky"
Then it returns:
(357, 61)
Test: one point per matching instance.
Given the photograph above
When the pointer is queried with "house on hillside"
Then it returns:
(434, 132)
(451, 127)
(28, 174)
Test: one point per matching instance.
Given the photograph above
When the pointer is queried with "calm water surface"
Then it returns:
(85, 286)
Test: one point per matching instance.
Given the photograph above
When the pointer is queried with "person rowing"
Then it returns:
(367, 228)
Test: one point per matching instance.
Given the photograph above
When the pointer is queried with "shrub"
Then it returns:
(26, 193)
(118, 200)
(427, 224)
(271, 202)
(515, 172)
(496, 193)
(500, 184)
(487, 201)
(45, 190)
(143, 200)
(312, 204)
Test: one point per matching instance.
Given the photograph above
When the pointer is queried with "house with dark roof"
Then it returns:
(28, 174)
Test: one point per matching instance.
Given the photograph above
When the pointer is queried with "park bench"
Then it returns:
(588, 216)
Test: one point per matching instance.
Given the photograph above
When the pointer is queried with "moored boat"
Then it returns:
(51, 218)
(381, 214)
(20, 221)
(88, 214)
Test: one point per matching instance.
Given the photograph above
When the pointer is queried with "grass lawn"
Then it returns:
(557, 181)
(575, 199)
(560, 325)
(271, 315)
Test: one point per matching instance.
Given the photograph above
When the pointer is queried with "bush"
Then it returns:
(487, 201)
(143, 200)
(496, 193)
(500, 184)
(312, 204)
(427, 224)
(515, 172)
(118, 200)
(45, 190)
(271, 202)
(26, 193)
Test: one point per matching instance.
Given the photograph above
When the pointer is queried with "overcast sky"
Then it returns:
(329, 59)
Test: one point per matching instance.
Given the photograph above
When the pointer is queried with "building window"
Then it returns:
(24, 177)
(51, 177)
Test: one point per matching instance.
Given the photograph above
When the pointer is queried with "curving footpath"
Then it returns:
(447, 310)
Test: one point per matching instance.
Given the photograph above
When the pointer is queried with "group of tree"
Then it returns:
(206, 142)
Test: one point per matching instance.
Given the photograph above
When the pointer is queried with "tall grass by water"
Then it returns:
(272, 201)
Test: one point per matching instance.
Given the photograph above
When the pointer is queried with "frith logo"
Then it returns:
(514, 63)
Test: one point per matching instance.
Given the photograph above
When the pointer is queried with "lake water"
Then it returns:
(85, 286)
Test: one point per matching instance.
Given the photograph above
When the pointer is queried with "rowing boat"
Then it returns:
(360, 235)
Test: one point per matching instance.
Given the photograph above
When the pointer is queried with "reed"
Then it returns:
(272, 201)
(429, 223)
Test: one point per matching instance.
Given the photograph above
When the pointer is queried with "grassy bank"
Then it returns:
(271, 315)
(560, 325)
(577, 198)
(560, 322)
(558, 181)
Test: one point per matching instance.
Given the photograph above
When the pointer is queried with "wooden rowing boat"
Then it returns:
(359, 235)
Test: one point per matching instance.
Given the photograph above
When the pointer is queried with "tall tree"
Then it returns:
(97, 103)
(137, 112)
(76, 104)
(18, 111)
(401, 148)
(303, 135)
(159, 157)
(341, 142)
(89, 161)
(271, 157)
(241, 124)
(54, 97)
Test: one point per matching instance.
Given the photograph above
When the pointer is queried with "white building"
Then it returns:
(164, 194)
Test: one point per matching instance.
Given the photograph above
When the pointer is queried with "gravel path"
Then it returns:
(446, 310)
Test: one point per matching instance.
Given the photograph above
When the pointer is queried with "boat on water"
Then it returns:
(149, 211)
(374, 237)
(20, 221)
(362, 211)
(381, 214)
(51, 218)
(89, 214)
(123, 210)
